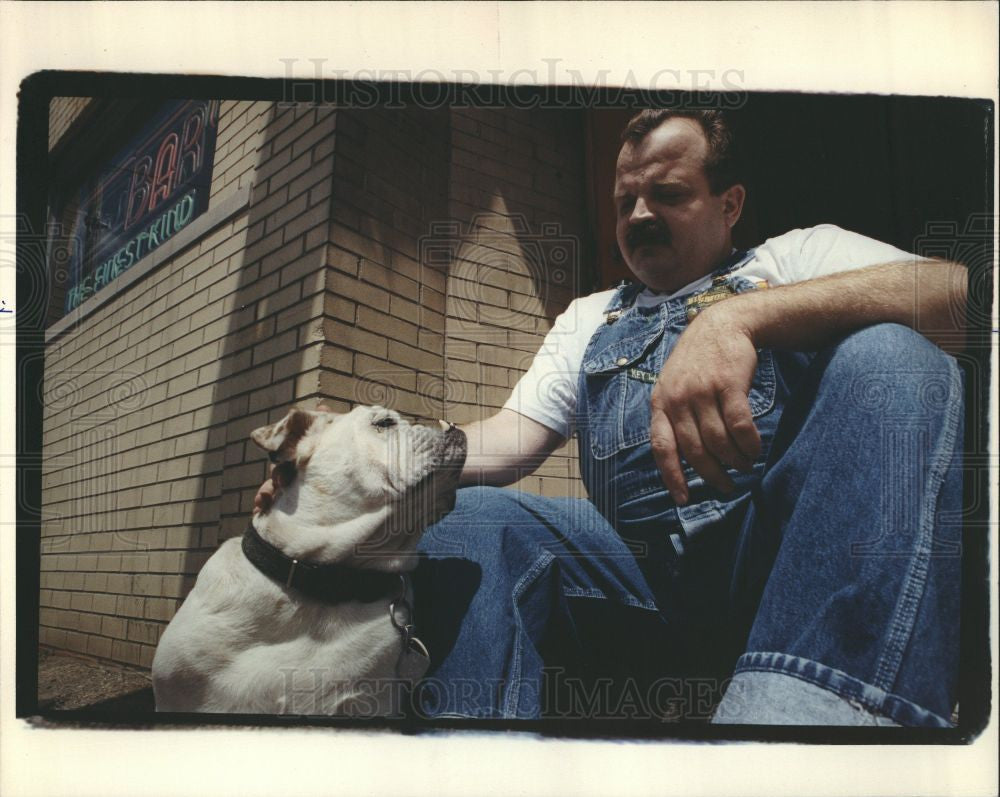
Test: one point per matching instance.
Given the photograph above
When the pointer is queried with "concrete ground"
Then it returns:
(68, 682)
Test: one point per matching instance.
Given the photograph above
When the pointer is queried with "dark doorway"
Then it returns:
(903, 170)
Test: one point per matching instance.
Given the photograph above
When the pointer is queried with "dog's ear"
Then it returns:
(286, 440)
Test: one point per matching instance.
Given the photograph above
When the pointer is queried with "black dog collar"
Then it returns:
(331, 583)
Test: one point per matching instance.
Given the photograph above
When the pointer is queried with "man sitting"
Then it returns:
(768, 448)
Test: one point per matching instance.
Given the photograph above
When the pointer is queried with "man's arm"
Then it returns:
(506, 447)
(700, 408)
(502, 449)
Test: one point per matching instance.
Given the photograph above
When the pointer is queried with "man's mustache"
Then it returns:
(646, 234)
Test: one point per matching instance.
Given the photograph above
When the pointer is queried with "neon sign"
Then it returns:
(153, 187)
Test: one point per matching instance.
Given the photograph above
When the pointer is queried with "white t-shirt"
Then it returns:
(547, 392)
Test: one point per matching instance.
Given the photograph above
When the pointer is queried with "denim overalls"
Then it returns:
(826, 586)
(620, 366)
(684, 552)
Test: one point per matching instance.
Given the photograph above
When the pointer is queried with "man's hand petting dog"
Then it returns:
(279, 478)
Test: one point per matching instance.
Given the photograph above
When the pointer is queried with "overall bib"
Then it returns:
(684, 552)
(823, 590)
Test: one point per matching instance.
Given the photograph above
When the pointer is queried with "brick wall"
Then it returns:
(517, 260)
(385, 341)
(278, 300)
(151, 396)
(318, 288)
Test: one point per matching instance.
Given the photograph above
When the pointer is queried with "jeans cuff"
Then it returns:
(767, 687)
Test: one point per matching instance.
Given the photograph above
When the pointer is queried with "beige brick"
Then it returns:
(407, 355)
(195, 561)
(276, 395)
(185, 490)
(171, 450)
(406, 310)
(161, 609)
(307, 310)
(88, 623)
(99, 646)
(166, 561)
(380, 371)
(259, 249)
(113, 627)
(105, 604)
(108, 562)
(119, 583)
(285, 213)
(131, 606)
(76, 641)
(316, 217)
(204, 511)
(492, 396)
(135, 563)
(334, 358)
(364, 247)
(95, 582)
(494, 355)
(316, 241)
(318, 178)
(279, 346)
(354, 338)
(146, 655)
(312, 137)
(127, 652)
(343, 262)
(360, 292)
(284, 175)
(386, 324)
(210, 537)
(430, 341)
(282, 257)
(148, 585)
(101, 542)
(144, 632)
(177, 586)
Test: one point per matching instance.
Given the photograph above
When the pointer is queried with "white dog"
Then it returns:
(308, 614)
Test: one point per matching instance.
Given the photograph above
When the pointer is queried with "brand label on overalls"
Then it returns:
(642, 376)
(721, 289)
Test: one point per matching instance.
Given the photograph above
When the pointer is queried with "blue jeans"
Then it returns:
(827, 594)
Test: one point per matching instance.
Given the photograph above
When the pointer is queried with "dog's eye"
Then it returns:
(384, 423)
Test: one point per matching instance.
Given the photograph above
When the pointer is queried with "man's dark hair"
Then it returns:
(722, 165)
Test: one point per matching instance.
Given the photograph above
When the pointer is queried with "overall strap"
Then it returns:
(736, 260)
(624, 297)
(626, 294)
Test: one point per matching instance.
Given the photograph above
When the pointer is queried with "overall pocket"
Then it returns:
(619, 390)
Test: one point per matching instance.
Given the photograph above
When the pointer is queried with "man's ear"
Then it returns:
(286, 440)
(732, 203)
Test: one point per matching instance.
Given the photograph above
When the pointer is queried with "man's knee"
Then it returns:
(491, 523)
(889, 347)
(891, 366)
(483, 502)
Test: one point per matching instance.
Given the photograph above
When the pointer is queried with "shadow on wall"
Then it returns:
(419, 267)
(273, 299)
